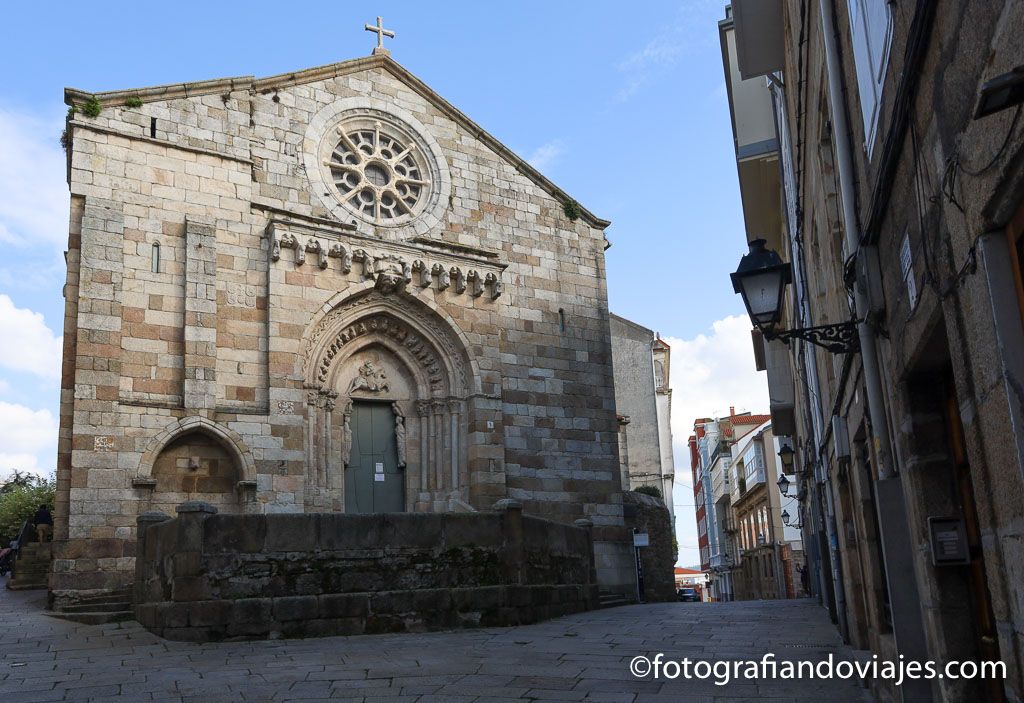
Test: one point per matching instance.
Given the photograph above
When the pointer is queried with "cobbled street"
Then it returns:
(583, 657)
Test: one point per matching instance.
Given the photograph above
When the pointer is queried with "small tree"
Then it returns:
(648, 490)
(21, 494)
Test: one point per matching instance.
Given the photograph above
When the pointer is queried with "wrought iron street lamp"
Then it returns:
(783, 484)
(1002, 92)
(786, 518)
(761, 280)
(786, 457)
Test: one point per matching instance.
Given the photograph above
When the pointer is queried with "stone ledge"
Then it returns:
(363, 613)
(203, 576)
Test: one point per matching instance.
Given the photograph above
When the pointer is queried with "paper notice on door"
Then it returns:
(378, 477)
(379, 467)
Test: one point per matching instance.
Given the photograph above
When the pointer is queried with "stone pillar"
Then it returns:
(437, 444)
(423, 412)
(454, 408)
(144, 556)
(200, 392)
(591, 588)
(312, 423)
(187, 583)
(514, 552)
(325, 439)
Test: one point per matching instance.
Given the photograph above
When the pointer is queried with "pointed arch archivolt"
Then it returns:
(412, 328)
(225, 436)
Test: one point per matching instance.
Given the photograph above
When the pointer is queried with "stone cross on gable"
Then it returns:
(381, 33)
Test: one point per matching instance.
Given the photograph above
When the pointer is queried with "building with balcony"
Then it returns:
(770, 551)
(711, 462)
(897, 203)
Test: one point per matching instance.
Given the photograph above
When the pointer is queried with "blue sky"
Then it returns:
(622, 105)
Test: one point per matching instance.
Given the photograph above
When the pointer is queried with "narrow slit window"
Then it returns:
(152, 126)
(561, 319)
(156, 257)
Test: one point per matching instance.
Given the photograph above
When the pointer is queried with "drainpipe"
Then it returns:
(897, 551)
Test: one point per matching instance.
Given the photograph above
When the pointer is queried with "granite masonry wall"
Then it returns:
(648, 514)
(219, 291)
(204, 576)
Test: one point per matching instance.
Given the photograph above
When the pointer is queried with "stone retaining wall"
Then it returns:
(644, 513)
(204, 576)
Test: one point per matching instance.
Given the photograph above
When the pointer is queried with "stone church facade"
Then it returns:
(325, 291)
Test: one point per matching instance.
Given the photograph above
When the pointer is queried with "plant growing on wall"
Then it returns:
(648, 491)
(572, 210)
(133, 101)
(92, 107)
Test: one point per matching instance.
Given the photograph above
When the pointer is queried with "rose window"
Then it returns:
(377, 175)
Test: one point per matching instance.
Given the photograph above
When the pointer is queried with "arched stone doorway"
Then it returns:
(387, 382)
(197, 459)
(195, 466)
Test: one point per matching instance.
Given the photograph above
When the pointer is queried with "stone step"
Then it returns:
(94, 617)
(105, 599)
(21, 585)
(103, 607)
(611, 599)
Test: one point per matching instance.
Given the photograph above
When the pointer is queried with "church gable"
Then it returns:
(281, 125)
(359, 299)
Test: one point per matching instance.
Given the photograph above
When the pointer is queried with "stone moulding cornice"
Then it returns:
(74, 96)
(277, 228)
(287, 217)
(99, 129)
(391, 266)
(170, 91)
(470, 251)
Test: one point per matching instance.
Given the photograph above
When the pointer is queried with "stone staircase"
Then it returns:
(612, 599)
(110, 606)
(32, 567)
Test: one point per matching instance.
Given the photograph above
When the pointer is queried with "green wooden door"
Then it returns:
(373, 481)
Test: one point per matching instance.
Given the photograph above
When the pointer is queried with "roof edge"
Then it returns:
(114, 98)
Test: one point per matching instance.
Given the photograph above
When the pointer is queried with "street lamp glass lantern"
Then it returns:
(786, 456)
(761, 280)
(785, 517)
(783, 484)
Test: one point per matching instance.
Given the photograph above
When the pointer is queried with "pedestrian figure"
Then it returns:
(44, 523)
(804, 583)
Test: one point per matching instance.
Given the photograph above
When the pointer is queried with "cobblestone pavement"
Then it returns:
(582, 657)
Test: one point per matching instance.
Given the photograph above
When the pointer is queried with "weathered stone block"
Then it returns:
(295, 608)
(190, 588)
(291, 533)
(209, 613)
(251, 610)
(173, 614)
(343, 605)
(222, 533)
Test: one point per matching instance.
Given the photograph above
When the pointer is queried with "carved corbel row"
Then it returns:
(389, 271)
(494, 284)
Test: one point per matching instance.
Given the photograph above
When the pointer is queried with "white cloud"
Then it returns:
(712, 372)
(546, 155)
(28, 439)
(30, 345)
(657, 52)
(34, 206)
(708, 374)
(691, 28)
